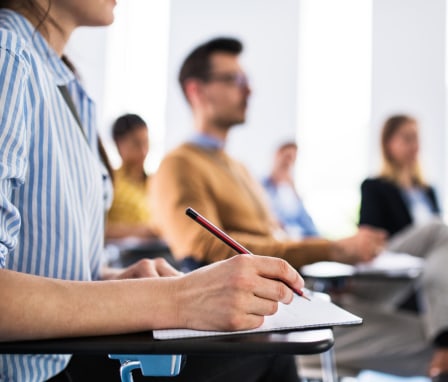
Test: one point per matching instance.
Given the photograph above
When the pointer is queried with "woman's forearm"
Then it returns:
(234, 294)
(35, 307)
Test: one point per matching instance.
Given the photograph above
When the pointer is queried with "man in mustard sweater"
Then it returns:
(200, 174)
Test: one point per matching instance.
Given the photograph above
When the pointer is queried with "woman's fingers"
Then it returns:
(148, 268)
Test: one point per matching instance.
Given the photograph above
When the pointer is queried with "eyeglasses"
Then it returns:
(237, 79)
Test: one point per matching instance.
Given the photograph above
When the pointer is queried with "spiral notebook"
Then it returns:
(299, 314)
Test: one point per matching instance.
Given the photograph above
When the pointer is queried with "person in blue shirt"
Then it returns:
(285, 201)
(54, 191)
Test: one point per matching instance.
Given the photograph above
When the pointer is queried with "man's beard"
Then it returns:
(227, 122)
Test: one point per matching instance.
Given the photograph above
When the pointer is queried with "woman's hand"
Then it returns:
(234, 294)
(158, 267)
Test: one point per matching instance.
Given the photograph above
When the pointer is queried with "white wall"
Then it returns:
(87, 50)
(268, 28)
(408, 75)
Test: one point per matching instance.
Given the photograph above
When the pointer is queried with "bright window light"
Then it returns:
(333, 109)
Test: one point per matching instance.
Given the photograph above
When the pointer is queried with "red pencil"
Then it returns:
(197, 217)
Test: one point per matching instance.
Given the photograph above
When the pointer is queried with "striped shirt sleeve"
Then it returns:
(13, 141)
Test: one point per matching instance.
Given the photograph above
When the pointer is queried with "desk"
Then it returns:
(387, 265)
(398, 270)
(290, 342)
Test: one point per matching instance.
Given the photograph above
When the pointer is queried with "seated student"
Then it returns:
(54, 191)
(202, 175)
(402, 203)
(130, 214)
(283, 196)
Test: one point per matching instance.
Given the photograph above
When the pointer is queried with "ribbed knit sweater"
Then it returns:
(222, 190)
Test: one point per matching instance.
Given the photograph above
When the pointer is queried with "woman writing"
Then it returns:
(53, 194)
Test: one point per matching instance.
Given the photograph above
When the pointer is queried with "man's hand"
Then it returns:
(364, 246)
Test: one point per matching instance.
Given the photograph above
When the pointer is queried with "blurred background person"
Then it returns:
(399, 197)
(130, 213)
(283, 196)
(403, 204)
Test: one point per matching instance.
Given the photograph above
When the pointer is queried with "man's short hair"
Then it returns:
(287, 145)
(197, 63)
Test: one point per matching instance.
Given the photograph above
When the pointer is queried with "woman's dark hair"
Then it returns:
(39, 12)
(126, 124)
(197, 63)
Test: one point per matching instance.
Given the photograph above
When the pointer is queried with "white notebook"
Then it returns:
(299, 314)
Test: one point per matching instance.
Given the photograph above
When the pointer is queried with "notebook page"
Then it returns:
(299, 314)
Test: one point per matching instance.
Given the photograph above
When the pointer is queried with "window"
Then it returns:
(333, 109)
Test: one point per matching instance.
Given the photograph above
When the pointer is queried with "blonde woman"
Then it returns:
(399, 197)
(402, 203)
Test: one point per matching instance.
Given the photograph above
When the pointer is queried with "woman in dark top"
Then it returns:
(402, 203)
(385, 205)
(399, 197)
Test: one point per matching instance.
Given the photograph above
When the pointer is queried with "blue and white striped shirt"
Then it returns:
(53, 187)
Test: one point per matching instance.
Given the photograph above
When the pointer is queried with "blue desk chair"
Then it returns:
(150, 365)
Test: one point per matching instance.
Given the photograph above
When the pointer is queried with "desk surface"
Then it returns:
(387, 265)
(125, 252)
(293, 342)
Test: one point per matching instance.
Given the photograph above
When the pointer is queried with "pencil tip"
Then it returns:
(191, 213)
(301, 294)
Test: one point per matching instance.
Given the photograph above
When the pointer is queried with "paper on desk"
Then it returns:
(299, 314)
(386, 263)
(392, 262)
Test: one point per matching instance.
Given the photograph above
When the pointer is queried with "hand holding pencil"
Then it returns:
(235, 294)
(224, 237)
